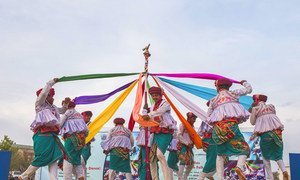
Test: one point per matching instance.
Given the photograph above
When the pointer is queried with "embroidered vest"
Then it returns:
(266, 109)
(224, 97)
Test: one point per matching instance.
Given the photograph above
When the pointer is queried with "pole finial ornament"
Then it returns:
(146, 52)
(146, 55)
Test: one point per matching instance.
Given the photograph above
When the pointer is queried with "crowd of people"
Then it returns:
(220, 134)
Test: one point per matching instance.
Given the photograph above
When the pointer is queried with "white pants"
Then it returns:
(269, 173)
(171, 171)
(184, 175)
(281, 165)
(69, 169)
(268, 169)
(220, 167)
(164, 166)
(31, 170)
(241, 162)
(83, 165)
(112, 175)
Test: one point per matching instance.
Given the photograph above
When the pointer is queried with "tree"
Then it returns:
(6, 144)
(18, 161)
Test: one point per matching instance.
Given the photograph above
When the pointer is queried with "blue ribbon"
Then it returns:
(204, 92)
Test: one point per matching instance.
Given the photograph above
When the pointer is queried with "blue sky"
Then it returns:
(255, 40)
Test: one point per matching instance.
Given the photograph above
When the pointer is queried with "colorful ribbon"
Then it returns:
(194, 75)
(193, 134)
(138, 99)
(150, 98)
(205, 93)
(137, 107)
(137, 104)
(188, 104)
(102, 118)
(99, 98)
(93, 76)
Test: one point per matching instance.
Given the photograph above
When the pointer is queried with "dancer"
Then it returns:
(210, 147)
(118, 144)
(269, 128)
(74, 131)
(86, 151)
(46, 144)
(162, 134)
(185, 147)
(224, 114)
(144, 165)
(173, 156)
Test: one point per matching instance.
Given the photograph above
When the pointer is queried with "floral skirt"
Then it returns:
(186, 155)
(73, 147)
(271, 145)
(229, 139)
(160, 141)
(120, 160)
(47, 149)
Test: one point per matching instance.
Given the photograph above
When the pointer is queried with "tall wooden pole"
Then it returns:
(146, 55)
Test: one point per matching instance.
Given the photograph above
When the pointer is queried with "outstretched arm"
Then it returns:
(44, 93)
(243, 91)
(64, 104)
(161, 110)
(64, 117)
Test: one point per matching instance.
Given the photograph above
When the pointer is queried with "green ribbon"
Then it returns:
(93, 76)
(150, 97)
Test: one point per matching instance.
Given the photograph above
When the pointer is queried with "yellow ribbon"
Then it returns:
(102, 118)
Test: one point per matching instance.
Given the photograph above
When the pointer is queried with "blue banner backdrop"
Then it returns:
(4, 164)
(295, 165)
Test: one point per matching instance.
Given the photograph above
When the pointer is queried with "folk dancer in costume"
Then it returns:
(269, 128)
(143, 158)
(74, 131)
(162, 134)
(173, 155)
(210, 147)
(46, 144)
(224, 114)
(185, 147)
(86, 151)
(118, 144)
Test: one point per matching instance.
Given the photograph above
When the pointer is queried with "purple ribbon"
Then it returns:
(99, 98)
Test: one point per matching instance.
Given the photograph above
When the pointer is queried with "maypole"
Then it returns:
(146, 55)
